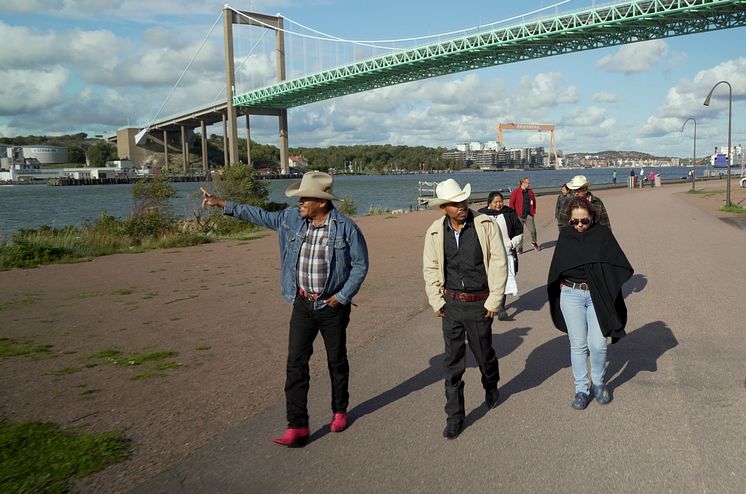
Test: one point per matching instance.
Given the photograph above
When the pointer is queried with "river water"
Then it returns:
(30, 206)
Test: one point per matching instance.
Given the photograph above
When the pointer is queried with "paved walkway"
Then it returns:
(677, 422)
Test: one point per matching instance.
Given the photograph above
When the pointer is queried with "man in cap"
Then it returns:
(523, 200)
(324, 261)
(579, 186)
(465, 271)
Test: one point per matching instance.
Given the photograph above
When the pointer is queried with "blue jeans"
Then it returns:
(585, 335)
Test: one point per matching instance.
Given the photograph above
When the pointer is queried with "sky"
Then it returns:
(94, 66)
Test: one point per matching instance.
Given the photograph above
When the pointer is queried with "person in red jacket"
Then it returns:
(523, 201)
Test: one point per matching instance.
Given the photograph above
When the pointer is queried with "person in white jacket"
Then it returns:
(511, 229)
(463, 263)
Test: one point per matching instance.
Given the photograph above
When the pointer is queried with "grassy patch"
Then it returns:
(26, 299)
(65, 371)
(733, 208)
(28, 349)
(202, 348)
(705, 193)
(116, 357)
(44, 458)
(123, 291)
(158, 370)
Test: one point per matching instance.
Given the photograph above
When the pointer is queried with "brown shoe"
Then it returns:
(536, 246)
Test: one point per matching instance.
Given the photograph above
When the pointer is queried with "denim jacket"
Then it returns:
(346, 251)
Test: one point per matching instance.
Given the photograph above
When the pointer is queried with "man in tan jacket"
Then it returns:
(465, 271)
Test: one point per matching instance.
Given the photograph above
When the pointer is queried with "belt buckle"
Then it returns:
(462, 297)
(583, 286)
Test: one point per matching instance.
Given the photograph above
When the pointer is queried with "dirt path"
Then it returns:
(218, 308)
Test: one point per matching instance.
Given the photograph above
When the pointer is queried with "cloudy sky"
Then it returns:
(94, 66)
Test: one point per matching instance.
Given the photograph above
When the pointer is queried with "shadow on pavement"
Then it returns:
(504, 344)
(541, 364)
(637, 283)
(533, 300)
(638, 351)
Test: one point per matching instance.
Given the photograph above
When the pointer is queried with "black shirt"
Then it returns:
(464, 261)
(526, 204)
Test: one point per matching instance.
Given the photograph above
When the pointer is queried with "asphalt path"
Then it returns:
(678, 380)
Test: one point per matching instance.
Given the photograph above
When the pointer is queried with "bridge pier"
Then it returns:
(248, 141)
(203, 135)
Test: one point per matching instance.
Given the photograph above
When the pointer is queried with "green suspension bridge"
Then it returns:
(598, 27)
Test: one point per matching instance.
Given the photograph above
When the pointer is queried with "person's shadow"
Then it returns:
(533, 300)
(504, 344)
(638, 351)
(637, 283)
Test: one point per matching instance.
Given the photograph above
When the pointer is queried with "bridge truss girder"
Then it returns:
(585, 30)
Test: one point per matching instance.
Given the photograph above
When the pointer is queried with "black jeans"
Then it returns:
(465, 321)
(305, 324)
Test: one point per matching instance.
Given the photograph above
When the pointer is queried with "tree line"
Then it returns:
(360, 158)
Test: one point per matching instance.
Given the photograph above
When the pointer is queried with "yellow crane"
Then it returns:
(534, 127)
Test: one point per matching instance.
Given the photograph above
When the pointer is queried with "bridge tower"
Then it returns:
(270, 22)
(534, 127)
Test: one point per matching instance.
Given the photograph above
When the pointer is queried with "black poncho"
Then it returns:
(606, 267)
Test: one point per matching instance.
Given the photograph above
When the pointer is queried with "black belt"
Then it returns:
(578, 286)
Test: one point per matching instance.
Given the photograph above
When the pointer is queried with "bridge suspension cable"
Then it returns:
(429, 36)
(368, 43)
(144, 131)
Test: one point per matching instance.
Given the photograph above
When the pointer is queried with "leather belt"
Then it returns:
(577, 286)
(467, 297)
(310, 297)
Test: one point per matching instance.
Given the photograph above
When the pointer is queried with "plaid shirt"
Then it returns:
(313, 265)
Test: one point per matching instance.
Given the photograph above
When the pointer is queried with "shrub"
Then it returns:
(347, 206)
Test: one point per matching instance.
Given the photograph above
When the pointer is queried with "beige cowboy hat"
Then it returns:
(449, 191)
(317, 185)
(577, 182)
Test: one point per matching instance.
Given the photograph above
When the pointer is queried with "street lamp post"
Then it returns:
(730, 107)
(694, 155)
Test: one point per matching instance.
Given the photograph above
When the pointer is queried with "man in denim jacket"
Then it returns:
(324, 262)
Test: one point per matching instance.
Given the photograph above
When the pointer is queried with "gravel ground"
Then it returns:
(218, 308)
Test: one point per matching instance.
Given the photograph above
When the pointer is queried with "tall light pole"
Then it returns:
(694, 155)
(730, 107)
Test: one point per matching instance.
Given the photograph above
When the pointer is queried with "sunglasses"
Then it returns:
(584, 221)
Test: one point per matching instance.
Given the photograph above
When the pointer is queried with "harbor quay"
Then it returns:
(677, 379)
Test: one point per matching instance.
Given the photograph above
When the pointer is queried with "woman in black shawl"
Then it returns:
(585, 296)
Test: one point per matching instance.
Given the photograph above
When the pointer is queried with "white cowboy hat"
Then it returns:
(577, 182)
(449, 191)
(317, 185)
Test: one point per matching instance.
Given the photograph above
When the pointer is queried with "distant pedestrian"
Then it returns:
(324, 262)
(584, 286)
(613, 177)
(652, 179)
(563, 199)
(523, 201)
(464, 267)
(511, 229)
(580, 187)
(642, 177)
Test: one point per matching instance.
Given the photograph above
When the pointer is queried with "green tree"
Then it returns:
(101, 152)
(240, 183)
(152, 194)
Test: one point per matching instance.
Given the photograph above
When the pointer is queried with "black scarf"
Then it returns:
(515, 227)
(606, 267)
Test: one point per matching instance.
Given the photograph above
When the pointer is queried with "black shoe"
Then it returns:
(502, 315)
(581, 401)
(491, 398)
(453, 429)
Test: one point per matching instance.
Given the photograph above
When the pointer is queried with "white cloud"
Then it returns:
(635, 57)
(544, 91)
(605, 97)
(24, 91)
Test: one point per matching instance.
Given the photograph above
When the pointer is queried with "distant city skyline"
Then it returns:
(94, 66)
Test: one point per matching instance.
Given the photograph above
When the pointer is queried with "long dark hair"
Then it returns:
(582, 203)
